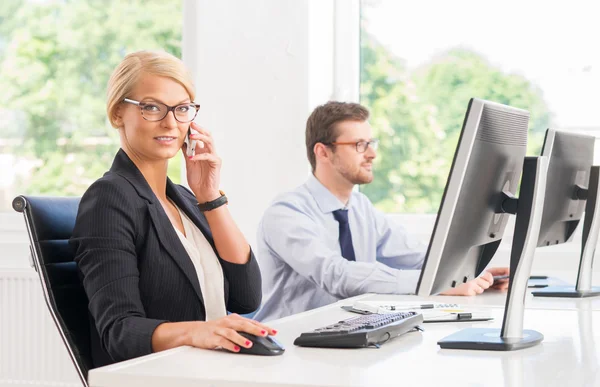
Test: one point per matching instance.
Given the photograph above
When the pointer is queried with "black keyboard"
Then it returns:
(363, 331)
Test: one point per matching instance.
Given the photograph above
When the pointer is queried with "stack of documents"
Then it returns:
(432, 311)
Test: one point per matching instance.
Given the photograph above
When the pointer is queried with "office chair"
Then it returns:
(50, 222)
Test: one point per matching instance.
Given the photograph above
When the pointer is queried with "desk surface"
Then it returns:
(567, 356)
(496, 299)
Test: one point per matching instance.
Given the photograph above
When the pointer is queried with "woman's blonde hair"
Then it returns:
(126, 75)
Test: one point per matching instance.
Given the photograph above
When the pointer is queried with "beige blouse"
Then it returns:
(208, 268)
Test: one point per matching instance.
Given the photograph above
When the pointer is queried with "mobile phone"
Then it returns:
(191, 144)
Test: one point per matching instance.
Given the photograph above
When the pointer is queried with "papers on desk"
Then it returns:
(432, 311)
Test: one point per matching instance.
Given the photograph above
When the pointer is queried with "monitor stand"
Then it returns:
(527, 228)
(591, 226)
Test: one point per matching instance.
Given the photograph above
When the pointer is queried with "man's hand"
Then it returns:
(481, 283)
(497, 271)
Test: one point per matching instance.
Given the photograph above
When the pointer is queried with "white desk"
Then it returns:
(567, 356)
(496, 299)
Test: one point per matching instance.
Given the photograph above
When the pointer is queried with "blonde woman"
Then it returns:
(162, 264)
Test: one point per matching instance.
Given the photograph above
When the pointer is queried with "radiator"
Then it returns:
(31, 350)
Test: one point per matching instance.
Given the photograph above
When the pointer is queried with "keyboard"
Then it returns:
(363, 331)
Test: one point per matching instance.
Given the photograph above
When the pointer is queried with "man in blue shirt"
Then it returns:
(324, 241)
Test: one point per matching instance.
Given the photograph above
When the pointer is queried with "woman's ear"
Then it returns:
(118, 116)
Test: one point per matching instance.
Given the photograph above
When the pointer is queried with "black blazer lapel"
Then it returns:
(170, 241)
(162, 224)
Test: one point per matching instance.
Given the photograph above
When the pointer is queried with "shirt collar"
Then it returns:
(326, 201)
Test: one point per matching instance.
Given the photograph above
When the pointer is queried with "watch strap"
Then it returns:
(214, 204)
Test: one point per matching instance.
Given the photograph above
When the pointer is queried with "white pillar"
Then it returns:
(260, 68)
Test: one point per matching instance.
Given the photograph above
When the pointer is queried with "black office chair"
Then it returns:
(50, 222)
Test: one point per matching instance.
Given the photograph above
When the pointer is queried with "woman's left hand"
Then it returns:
(203, 169)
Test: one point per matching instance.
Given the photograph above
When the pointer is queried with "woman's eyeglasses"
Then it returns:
(156, 111)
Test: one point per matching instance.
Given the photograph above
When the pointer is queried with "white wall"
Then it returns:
(14, 244)
(260, 68)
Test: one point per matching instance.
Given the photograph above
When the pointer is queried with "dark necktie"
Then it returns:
(345, 237)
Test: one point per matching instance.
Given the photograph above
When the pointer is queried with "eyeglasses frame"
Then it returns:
(169, 109)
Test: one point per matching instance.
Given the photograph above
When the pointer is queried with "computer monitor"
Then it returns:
(470, 224)
(479, 197)
(568, 195)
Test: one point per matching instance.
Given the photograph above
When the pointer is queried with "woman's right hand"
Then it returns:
(222, 333)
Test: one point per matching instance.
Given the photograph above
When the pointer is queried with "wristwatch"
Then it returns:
(218, 202)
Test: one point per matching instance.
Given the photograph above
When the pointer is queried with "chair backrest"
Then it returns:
(50, 222)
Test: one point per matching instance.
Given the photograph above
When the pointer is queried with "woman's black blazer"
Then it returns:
(136, 273)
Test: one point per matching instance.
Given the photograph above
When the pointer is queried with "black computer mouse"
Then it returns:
(261, 345)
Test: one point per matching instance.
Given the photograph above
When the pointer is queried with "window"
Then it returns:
(421, 62)
(55, 59)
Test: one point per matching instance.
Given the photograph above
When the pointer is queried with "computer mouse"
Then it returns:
(261, 345)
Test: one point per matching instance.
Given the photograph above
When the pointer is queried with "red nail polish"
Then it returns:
(263, 332)
(274, 331)
(236, 348)
(248, 342)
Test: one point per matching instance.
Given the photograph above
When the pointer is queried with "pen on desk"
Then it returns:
(405, 307)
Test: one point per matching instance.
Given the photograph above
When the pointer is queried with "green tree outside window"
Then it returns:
(418, 115)
(55, 60)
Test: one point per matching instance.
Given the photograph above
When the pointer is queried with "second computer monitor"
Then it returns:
(572, 188)
(570, 160)
(485, 173)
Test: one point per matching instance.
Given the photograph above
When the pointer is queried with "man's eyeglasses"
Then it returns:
(156, 111)
(361, 146)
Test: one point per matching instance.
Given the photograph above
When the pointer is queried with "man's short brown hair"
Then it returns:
(321, 125)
